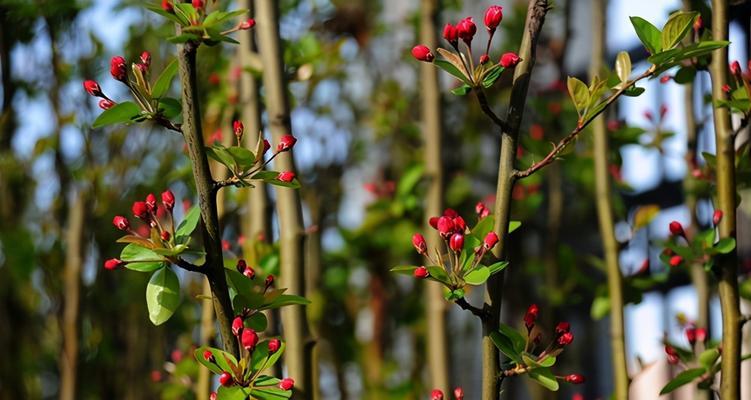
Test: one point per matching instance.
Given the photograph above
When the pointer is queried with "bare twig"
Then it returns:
(488, 111)
(477, 311)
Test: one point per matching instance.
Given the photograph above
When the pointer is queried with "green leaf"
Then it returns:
(178, 19)
(678, 25)
(725, 245)
(483, 227)
(544, 377)
(183, 38)
(600, 307)
(453, 295)
(492, 75)
(681, 379)
(623, 67)
(670, 58)
(708, 358)
(461, 90)
(188, 224)
(514, 225)
(579, 94)
(286, 300)
(477, 276)
(218, 17)
(270, 393)
(169, 107)
(516, 338)
(409, 180)
(141, 259)
(162, 295)
(220, 357)
(438, 274)
(497, 267)
(531, 360)
(685, 75)
(261, 353)
(451, 69)
(234, 393)
(220, 154)
(164, 80)
(404, 269)
(271, 177)
(649, 35)
(257, 322)
(505, 345)
(121, 113)
(243, 157)
(186, 10)
(632, 91)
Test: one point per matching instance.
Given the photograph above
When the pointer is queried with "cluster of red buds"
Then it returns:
(452, 229)
(563, 335)
(465, 31)
(437, 394)
(138, 85)
(286, 143)
(200, 7)
(693, 335)
(739, 78)
(151, 215)
(676, 231)
(250, 273)
(651, 118)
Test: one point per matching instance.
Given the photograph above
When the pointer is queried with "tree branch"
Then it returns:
(488, 111)
(479, 312)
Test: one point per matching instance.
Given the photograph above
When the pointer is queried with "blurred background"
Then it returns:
(355, 96)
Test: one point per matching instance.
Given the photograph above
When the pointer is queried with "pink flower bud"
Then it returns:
(436, 394)
(665, 79)
(117, 68)
(241, 265)
(648, 115)
(698, 24)
(735, 68)
(112, 263)
(466, 29)
(167, 6)
(198, 5)
(676, 261)
(249, 339)
(726, 88)
(121, 223)
(717, 217)
(565, 339)
(106, 104)
(509, 59)
(225, 379)
(460, 225)
(691, 335)
(249, 273)
(266, 146)
(421, 272)
(237, 326)
(446, 227)
(212, 396)
(481, 210)
(676, 229)
(576, 379)
(422, 53)
(457, 242)
(247, 24)
(208, 356)
(146, 58)
(269, 281)
(562, 327)
(493, 17)
(484, 59)
(238, 128)
(287, 384)
(168, 200)
(672, 355)
(663, 110)
(530, 316)
(92, 88)
(433, 222)
(286, 176)
(165, 236)
(418, 241)
(451, 34)
(701, 335)
(274, 345)
(286, 143)
(450, 212)
(458, 393)
(140, 210)
(151, 202)
(491, 239)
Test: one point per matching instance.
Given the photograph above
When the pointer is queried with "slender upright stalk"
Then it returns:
(506, 178)
(604, 204)
(437, 343)
(298, 355)
(193, 134)
(727, 264)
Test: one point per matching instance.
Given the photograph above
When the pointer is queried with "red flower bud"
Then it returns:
(208, 356)
(676, 229)
(484, 59)
(450, 212)
(105, 104)
(481, 210)
(198, 4)
(422, 53)
(665, 79)
(237, 326)
(493, 17)
(286, 176)
(491, 239)
(735, 68)
(266, 146)
(238, 128)
(446, 227)
(225, 379)
(140, 210)
(436, 394)
(167, 6)
(717, 217)
(698, 24)
(676, 261)
(457, 242)
(509, 60)
(121, 223)
(168, 200)
(531, 315)
(663, 110)
(466, 29)
(576, 379)
(672, 354)
(92, 88)
(165, 236)
(274, 345)
(249, 339)
(287, 384)
(212, 396)
(241, 265)
(565, 339)
(458, 393)
(418, 241)
(562, 327)
(701, 335)
(451, 34)
(286, 143)
(726, 88)
(421, 272)
(117, 68)
(269, 281)
(460, 225)
(146, 58)
(112, 263)
(433, 221)
(249, 273)
(247, 24)
(151, 202)
(691, 335)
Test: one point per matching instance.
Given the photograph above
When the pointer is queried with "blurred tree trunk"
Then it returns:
(438, 349)
(727, 264)
(604, 204)
(298, 355)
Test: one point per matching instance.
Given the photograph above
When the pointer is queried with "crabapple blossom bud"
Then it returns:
(436, 394)
(121, 223)
(168, 200)
(509, 60)
(458, 393)
(421, 272)
(269, 281)
(698, 24)
(146, 58)
(717, 217)
(422, 53)
(140, 210)
(238, 128)
(249, 273)
(241, 265)
(565, 339)
(249, 339)
(482, 210)
(198, 4)
(112, 263)
(117, 68)
(493, 17)
(247, 24)
(212, 396)
(451, 34)
(672, 354)
(663, 110)
(445, 227)
(735, 68)
(287, 384)
(457, 242)
(491, 239)
(167, 6)
(676, 229)
(484, 59)
(418, 241)
(286, 143)
(433, 221)
(225, 379)
(562, 327)
(460, 225)
(676, 261)
(726, 88)
(151, 202)
(237, 326)
(92, 88)
(106, 104)
(208, 356)
(665, 79)
(648, 115)
(165, 236)
(531, 315)
(450, 212)
(466, 30)
(266, 146)
(576, 379)
(274, 345)
(286, 176)
(691, 335)
(701, 334)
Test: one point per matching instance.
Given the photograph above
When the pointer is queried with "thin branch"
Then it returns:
(164, 122)
(488, 111)
(479, 312)
(563, 143)
(188, 266)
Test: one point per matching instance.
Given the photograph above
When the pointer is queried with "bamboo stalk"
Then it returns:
(604, 204)
(727, 264)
